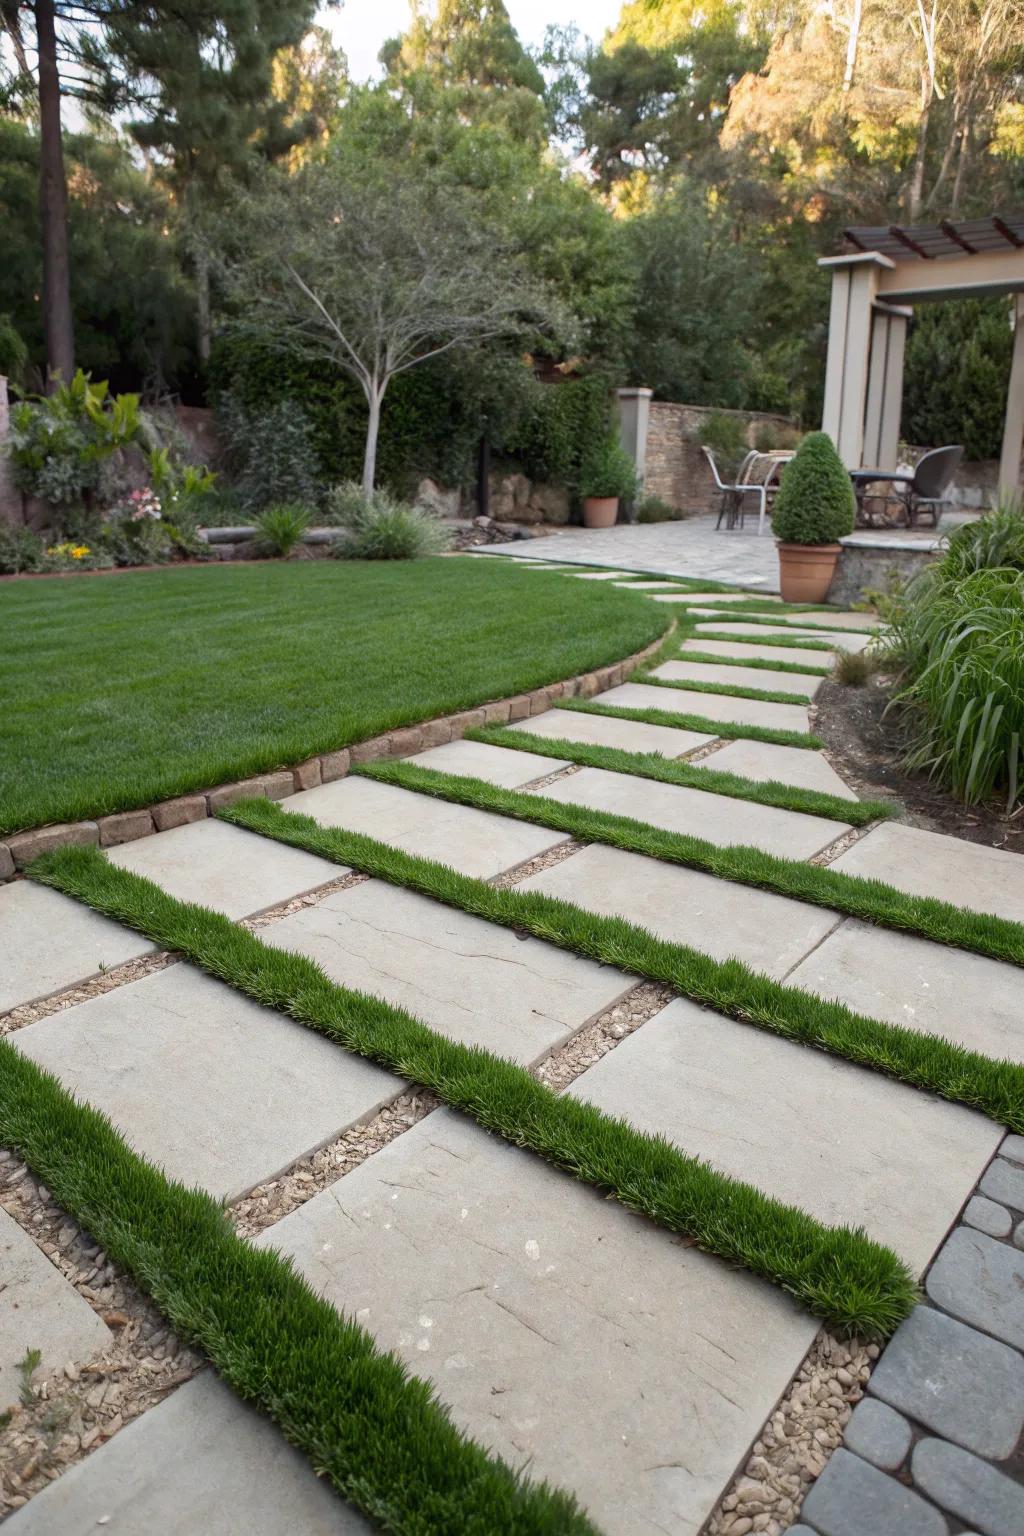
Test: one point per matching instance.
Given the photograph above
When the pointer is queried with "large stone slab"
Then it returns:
(763, 760)
(713, 706)
(465, 977)
(49, 942)
(648, 586)
(40, 1310)
(931, 864)
(925, 986)
(600, 575)
(847, 1145)
(840, 641)
(604, 731)
(797, 656)
(718, 917)
(555, 1324)
(833, 618)
(227, 868)
(496, 765)
(982, 1282)
(201, 1461)
(718, 598)
(740, 677)
(471, 841)
(717, 818)
(217, 1090)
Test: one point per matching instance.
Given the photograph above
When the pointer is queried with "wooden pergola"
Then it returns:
(876, 282)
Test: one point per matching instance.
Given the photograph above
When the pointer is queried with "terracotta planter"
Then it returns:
(600, 511)
(806, 571)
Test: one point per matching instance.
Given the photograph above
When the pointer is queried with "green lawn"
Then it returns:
(118, 691)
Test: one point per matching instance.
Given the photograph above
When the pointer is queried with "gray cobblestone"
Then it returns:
(852, 1498)
(981, 1281)
(969, 1488)
(988, 1217)
(1004, 1181)
(1013, 1148)
(1018, 1236)
(878, 1434)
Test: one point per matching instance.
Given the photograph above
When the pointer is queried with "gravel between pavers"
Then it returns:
(109, 981)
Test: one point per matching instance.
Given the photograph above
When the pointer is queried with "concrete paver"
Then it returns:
(496, 765)
(217, 1090)
(948, 868)
(604, 731)
(471, 841)
(834, 618)
(763, 760)
(224, 867)
(839, 641)
(684, 906)
(847, 1145)
(718, 818)
(39, 1310)
(554, 1323)
(49, 942)
(805, 686)
(714, 706)
(467, 978)
(743, 650)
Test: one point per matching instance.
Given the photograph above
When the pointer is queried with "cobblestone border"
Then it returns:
(126, 826)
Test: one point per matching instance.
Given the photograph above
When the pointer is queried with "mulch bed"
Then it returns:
(866, 749)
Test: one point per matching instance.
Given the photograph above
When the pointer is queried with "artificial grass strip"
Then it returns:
(377, 1434)
(764, 663)
(671, 770)
(872, 901)
(765, 695)
(688, 722)
(728, 986)
(790, 641)
(836, 1272)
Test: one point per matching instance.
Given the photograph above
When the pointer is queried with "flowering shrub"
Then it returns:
(136, 507)
(69, 551)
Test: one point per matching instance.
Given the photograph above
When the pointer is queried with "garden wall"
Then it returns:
(676, 469)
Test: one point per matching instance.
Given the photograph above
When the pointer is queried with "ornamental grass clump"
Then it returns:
(815, 504)
(379, 527)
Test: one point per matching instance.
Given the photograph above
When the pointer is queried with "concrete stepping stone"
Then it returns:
(40, 1310)
(763, 760)
(227, 868)
(554, 1323)
(922, 985)
(49, 942)
(717, 598)
(600, 575)
(718, 917)
(646, 586)
(718, 818)
(605, 731)
(743, 651)
(844, 642)
(846, 1145)
(200, 1461)
(470, 841)
(467, 978)
(713, 706)
(201, 1080)
(740, 677)
(948, 868)
(504, 766)
(831, 618)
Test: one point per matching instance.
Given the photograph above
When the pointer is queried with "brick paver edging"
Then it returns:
(125, 826)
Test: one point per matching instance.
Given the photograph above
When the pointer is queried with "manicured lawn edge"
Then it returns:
(377, 1434)
(671, 770)
(728, 986)
(687, 722)
(766, 695)
(873, 901)
(838, 1273)
(766, 665)
(792, 642)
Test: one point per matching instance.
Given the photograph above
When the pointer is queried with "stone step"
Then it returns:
(604, 731)
(849, 1146)
(744, 651)
(718, 917)
(713, 706)
(718, 818)
(224, 867)
(646, 586)
(201, 1080)
(922, 985)
(838, 641)
(496, 765)
(50, 942)
(720, 597)
(554, 1323)
(739, 677)
(471, 841)
(467, 978)
(762, 760)
(948, 868)
(600, 575)
(834, 618)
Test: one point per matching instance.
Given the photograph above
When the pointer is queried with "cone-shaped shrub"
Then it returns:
(815, 504)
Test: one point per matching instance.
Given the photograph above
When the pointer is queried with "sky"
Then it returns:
(361, 26)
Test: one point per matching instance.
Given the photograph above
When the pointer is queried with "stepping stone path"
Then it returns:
(564, 1332)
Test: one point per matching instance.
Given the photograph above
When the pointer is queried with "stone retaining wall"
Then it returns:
(125, 826)
(876, 565)
(676, 469)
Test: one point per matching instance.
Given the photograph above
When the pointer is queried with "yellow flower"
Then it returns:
(79, 551)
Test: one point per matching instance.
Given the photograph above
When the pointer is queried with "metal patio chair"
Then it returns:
(732, 496)
(925, 494)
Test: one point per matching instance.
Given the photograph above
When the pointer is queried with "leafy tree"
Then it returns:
(956, 375)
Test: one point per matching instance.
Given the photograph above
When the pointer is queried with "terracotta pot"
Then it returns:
(600, 511)
(806, 571)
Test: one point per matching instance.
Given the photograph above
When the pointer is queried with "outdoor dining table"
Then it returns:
(863, 479)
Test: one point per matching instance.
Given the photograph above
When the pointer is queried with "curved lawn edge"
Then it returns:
(856, 1284)
(379, 1435)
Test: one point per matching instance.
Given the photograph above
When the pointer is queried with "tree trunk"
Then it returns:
(374, 397)
(966, 144)
(201, 261)
(916, 191)
(53, 206)
(852, 45)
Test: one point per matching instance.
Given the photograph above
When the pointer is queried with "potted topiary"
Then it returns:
(814, 508)
(607, 477)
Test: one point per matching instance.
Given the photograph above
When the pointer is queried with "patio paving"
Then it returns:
(713, 706)
(497, 765)
(604, 731)
(763, 760)
(34, 966)
(948, 868)
(740, 677)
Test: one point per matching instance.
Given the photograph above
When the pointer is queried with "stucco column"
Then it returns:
(1013, 430)
(634, 412)
(854, 287)
(10, 496)
(885, 387)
